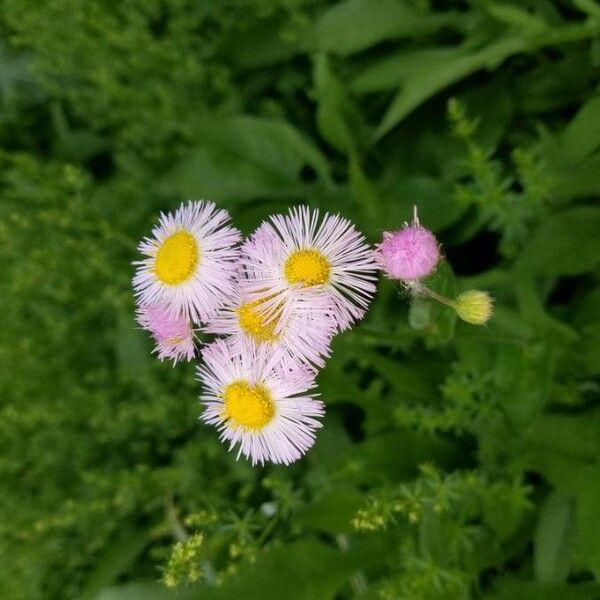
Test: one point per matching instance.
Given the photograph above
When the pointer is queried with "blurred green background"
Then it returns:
(455, 462)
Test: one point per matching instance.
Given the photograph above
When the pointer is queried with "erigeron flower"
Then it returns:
(302, 257)
(408, 254)
(190, 261)
(172, 333)
(293, 331)
(262, 406)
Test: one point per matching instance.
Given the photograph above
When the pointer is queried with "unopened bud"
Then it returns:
(474, 306)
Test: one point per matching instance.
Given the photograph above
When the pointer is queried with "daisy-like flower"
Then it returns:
(173, 334)
(190, 261)
(300, 331)
(258, 403)
(302, 257)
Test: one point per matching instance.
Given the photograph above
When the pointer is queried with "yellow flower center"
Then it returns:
(249, 406)
(254, 324)
(308, 267)
(177, 258)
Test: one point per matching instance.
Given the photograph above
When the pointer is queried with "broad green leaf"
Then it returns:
(406, 377)
(240, 158)
(566, 243)
(575, 436)
(260, 46)
(582, 135)
(390, 72)
(493, 107)
(144, 590)
(576, 181)
(511, 589)
(553, 539)
(396, 456)
(522, 376)
(338, 120)
(436, 206)
(333, 511)
(118, 557)
(367, 198)
(588, 524)
(513, 15)
(429, 82)
(424, 84)
(307, 570)
(354, 25)
(588, 348)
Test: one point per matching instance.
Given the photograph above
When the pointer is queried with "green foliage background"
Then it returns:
(456, 462)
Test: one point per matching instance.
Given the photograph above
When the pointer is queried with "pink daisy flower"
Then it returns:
(190, 261)
(409, 254)
(301, 257)
(173, 334)
(258, 404)
(292, 331)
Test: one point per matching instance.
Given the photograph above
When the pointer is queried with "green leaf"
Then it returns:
(433, 197)
(575, 436)
(117, 558)
(390, 72)
(446, 71)
(306, 570)
(582, 135)
(588, 524)
(354, 25)
(397, 455)
(523, 376)
(244, 157)
(338, 120)
(553, 539)
(528, 590)
(567, 243)
(515, 16)
(333, 511)
(144, 590)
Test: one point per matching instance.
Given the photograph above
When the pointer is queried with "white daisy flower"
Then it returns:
(190, 261)
(257, 403)
(300, 331)
(302, 257)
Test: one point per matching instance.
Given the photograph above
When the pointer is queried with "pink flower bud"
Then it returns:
(173, 334)
(409, 254)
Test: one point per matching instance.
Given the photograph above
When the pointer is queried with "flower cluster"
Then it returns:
(411, 254)
(276, 300)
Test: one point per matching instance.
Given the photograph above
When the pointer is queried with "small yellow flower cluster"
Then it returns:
(184, 563)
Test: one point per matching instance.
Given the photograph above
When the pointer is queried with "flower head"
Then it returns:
(190, 261)
(293, 331)
(303, 258)
(474, 306)
(173, 334)
(410, 253)
(259, 404)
